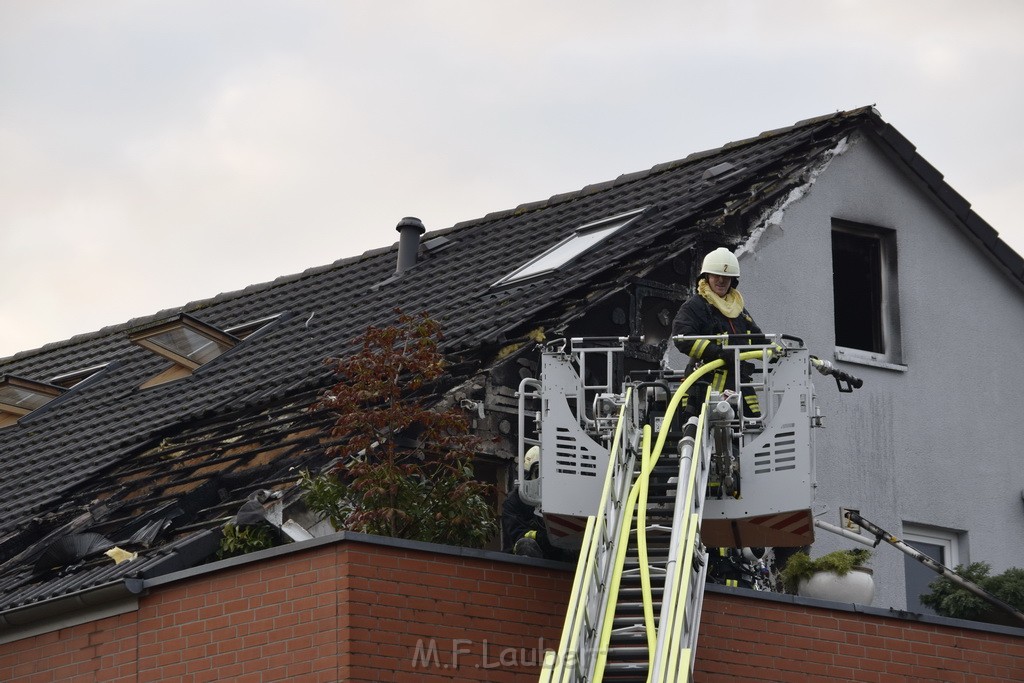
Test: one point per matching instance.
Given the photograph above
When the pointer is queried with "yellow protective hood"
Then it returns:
(730, 306)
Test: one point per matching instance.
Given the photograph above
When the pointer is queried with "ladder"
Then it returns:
(642, 552)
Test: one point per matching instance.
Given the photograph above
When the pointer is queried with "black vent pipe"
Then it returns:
(409, 230)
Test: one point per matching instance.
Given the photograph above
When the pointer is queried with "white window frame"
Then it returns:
(947, 539)
(70, 379)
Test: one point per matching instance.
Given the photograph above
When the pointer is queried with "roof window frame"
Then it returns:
(247, 329)
(184, 361)
(605, 226)
(11, 413)
(68, 380)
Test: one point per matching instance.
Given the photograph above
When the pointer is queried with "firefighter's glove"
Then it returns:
(715, 352)
(532, 533)
(527, 547)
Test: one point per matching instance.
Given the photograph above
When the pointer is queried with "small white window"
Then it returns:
(583, 239)
(942, 545)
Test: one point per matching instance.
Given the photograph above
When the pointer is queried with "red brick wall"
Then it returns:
(416, 616)
(102, 650)
(273, 620)
(341, 612)
(744, 639)
(359, 611)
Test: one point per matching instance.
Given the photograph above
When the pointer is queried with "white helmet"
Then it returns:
(721, 262)
(531, 458)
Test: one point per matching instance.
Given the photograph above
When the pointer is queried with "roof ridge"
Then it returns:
(663, 167)
(198, 304)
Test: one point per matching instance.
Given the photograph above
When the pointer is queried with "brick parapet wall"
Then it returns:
(272, 620)
(361, 609)
(743, 637)
(101, 650)
(448, 618)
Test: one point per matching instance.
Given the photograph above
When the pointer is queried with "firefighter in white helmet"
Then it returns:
(717, 308)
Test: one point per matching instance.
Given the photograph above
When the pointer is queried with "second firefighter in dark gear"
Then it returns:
(718, 308)
(522, 527)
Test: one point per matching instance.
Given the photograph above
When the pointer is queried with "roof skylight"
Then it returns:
(20, 396)
(582, 240)
(184, 340)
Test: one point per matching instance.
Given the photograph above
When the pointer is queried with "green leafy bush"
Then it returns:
(239, 540)
(951, 600)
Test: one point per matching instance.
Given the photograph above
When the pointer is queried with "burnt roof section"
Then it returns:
(156, 468)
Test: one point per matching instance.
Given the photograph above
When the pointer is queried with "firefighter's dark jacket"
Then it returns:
(518, 518)
(698, 317)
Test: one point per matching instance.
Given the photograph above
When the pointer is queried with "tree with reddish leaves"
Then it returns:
(404, 464)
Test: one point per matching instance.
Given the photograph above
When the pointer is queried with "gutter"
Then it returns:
(79, 607)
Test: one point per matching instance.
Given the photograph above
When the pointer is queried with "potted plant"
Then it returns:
(839, 576)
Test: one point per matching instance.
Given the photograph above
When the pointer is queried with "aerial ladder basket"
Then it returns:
(763, 469)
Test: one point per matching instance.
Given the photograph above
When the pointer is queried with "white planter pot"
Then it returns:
(858, 586)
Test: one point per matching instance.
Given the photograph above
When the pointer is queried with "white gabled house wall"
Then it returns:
(938, 444)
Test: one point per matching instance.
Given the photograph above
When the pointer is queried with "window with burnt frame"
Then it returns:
(865, 294)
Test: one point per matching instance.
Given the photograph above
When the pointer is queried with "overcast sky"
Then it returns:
(156, 153)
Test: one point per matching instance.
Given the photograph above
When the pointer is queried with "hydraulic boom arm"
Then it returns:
(883, 535)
